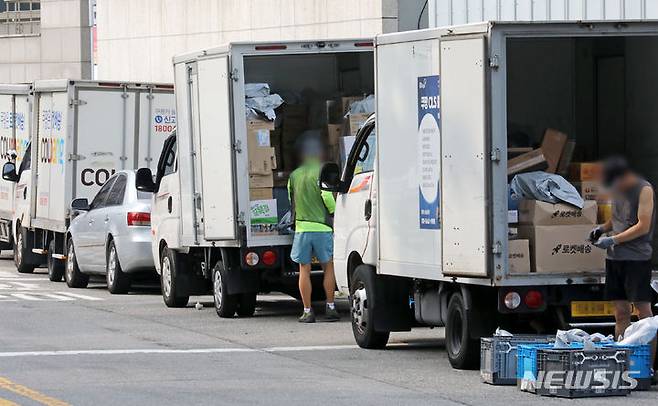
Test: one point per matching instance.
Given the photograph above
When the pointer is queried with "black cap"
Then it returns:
(614, 168)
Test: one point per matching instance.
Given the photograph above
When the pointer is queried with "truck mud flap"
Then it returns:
(392, 311)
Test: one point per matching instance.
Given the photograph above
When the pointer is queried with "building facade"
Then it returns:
(453, 12)
(137, 39)
(44, 39)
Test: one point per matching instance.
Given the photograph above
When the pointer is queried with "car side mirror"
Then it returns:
(330, 178)
(144, 180)
(80, 204)
(9, 172)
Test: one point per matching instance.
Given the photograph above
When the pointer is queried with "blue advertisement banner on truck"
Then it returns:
(429, 151)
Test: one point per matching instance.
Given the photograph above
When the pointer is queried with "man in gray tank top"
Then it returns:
(629, 245)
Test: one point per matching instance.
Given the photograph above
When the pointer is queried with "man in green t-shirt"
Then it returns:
(312, 211)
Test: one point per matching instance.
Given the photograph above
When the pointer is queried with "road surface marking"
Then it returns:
(173, 351)
(31, 394)
(79, 296)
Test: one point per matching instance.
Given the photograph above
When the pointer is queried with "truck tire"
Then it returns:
(362, 296)
(118, 282)
(225, 305)
(74, 278)
(247, 304)
(56, 267)
(463, 351)
(22, 251)
(169, 279)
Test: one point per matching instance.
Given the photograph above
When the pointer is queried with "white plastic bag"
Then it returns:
(502, 333)
(256, 90)
(641, 332)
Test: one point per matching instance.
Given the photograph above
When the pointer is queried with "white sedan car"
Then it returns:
(110, 236)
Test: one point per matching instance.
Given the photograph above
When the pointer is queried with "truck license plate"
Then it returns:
(594, 309)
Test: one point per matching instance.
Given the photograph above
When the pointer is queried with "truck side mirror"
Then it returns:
(80, 204)
(9, 172)
(144, 180)
(330, 178)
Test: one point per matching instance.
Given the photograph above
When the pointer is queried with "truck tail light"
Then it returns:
(512, 300)
(139, 219)
(269, 258)
(251, 258)
(534, 299)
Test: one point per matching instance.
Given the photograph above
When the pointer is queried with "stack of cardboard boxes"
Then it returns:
(586, 177)
(341, 127)
(262, 162)
(556, 235)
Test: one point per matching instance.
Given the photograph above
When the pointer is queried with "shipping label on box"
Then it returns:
(562, 249)
(512, 216)
(547, 214)
(519, 256)
(258, 139)
(262, 161)
(264, 216)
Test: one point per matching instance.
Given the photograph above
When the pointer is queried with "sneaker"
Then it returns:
(331, 314)
(307, 317)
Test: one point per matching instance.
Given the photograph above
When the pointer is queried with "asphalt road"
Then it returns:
(63, 346)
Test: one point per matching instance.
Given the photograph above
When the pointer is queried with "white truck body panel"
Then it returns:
(474, 113)
(86, 131)
(213, 165)
(15, 122)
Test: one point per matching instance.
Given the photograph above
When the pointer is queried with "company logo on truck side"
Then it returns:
(164, 120)
(98, 177)
(52, 150)
(429, 151)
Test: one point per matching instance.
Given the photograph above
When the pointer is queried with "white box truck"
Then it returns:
(201, 213)
(84, 131)
(421, 231)
(15, 125)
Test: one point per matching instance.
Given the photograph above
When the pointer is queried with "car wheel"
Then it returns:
(169, 267)
(56, 267)
(362, 296)
(247, 304)
(118, 282)
(74, 278)
(225, 305)
(463, 351)
(22, 250)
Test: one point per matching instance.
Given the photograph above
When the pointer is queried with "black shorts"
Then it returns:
(628, 280)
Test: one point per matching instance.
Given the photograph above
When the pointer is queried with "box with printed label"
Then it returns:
(580, 171)
(548, 214)
(519, 256)
(562, 249)
(264, 216)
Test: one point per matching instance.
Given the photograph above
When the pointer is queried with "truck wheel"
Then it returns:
(463, 351)
(362, 294)
(118, 282)
(225, 305)
(247, 305)
(22, 251)
(170, 265)
(74, 278)
(56, 266)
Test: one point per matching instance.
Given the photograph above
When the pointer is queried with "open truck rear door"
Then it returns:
(464, 156)
(214, 144)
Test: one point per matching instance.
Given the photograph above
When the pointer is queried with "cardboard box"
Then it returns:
(264, 217)
(356, 121)
(275, 142)
(262, 161)
(258, 133)
(519, 256)
(338, 108)
(562, 249)
(530, 161)
(581, 171)
(261, 181)
(592, 190)
(261, 193)
(540, 213)
(552, 146)
(334, 132)
(255, 124)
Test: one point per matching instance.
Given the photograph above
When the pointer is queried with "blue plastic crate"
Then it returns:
(526, 366)
(640, 363)
(498, 358)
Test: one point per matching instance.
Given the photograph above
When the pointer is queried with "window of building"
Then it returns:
(20, 17)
